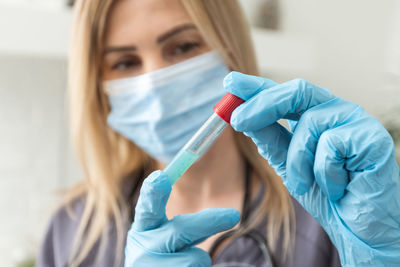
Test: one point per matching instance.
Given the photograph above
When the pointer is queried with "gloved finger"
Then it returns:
(329, 166)
(288, 100)
(292, 124)
(273, 143)
(340, 150)
(302, 149)
(189, 229)
(136, 257)
(374, 215)
(150, 208)
(193, 228)
(246, 86)
(358, 156)
(374, 184)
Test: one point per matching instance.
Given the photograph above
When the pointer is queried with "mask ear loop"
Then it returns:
(253, 234)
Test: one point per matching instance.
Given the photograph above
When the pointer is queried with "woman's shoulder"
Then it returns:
(60, 233)
(63, 227)
(65, 220)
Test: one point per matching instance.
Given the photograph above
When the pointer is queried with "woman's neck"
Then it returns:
(216, 180)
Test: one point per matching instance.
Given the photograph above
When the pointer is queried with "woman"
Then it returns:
(144, 75)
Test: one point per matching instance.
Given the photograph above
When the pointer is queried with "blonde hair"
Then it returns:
(107, 158)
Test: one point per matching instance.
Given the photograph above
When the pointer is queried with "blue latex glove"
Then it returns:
(153, 240)
(338, 162)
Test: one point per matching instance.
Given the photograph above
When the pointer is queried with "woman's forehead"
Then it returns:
(135, 18)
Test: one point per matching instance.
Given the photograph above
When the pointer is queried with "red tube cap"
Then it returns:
(226, 106)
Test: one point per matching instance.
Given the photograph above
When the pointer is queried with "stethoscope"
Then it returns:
(256, 236)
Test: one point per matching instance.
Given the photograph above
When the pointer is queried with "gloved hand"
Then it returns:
(153, 240)
(338, 162)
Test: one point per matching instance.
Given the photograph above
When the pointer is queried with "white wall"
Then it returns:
(34, 152)
(35, 156)
(346, 46)
(34, 27)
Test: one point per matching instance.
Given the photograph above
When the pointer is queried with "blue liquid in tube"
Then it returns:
(181, 162)
(195, 147)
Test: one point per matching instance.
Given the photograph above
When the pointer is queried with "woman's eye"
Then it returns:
(126, 64)
(185, 48)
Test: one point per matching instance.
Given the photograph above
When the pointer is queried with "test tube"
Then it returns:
(203, 138)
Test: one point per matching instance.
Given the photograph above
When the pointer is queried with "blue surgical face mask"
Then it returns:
(161, 110)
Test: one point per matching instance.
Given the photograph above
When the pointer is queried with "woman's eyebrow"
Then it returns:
(174, 31)
(160, 39)
(113, 49)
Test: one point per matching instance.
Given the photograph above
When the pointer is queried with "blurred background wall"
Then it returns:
(35, 155)
(351, 47)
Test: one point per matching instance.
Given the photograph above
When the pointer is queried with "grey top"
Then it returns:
(312, 245)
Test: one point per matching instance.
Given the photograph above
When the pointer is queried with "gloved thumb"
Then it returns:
(273, 144)
(246, 86)
(150, 208)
